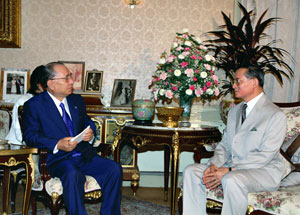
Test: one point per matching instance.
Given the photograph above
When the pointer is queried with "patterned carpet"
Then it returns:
(129, 206)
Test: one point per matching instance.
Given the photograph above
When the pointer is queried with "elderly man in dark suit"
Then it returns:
(50, 120)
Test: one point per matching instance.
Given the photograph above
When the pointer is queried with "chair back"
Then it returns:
(5, 123)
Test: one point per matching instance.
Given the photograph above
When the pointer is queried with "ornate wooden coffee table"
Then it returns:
(172, 140)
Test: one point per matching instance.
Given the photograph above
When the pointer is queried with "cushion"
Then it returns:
(293, 122)
(284, 201)
(4, 123)
(55, 185)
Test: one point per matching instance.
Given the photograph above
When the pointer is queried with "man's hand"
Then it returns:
(65, 145)
(212, 176)
(88, 135)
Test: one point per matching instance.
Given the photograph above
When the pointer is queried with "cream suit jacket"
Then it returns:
(256, 142)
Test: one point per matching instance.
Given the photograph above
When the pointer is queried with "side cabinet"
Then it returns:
(109, 121)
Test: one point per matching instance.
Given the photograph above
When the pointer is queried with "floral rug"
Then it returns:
(129, 206)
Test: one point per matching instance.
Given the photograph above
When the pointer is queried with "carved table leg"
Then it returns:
(166, 170)
(174, 170)
(29, 179)
(6, 182)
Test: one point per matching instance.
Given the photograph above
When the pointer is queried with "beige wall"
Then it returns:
(107, 35)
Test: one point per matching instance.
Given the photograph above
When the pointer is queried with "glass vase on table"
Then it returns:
(186, 103)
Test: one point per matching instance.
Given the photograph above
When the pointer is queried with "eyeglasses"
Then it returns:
(67, 78)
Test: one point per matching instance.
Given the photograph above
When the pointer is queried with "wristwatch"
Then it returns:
(229, 168)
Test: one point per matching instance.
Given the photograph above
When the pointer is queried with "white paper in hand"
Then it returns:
(78, 138)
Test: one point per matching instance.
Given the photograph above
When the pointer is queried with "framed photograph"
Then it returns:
(93, 81)
(77, 70)
(123, 93)
(14, 83)
(10, 24)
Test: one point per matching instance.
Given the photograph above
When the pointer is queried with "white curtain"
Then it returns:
(288, 31)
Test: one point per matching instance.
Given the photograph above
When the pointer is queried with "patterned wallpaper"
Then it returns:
(108, 35)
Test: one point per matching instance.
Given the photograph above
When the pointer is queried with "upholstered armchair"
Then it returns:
(287, 199)
(51, 190)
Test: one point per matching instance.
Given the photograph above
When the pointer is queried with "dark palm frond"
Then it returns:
(235, 46)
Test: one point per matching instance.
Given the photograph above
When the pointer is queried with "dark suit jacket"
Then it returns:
(43, 125)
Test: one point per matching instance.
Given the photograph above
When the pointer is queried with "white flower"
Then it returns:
(177, 72)
(198, 40)
(187, 43)
(162, 60)
(174, 45)
(185, 30)
(213, 68)
(189, 92)
(162, 92)
(208, 57)
(181, 56)
(209, 91)
(203, 74)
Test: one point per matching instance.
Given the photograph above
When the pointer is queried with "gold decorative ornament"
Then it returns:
(132, 3)
(93, 194)
(135, 176)
(169, 116)
(139, 141)
(54, 197)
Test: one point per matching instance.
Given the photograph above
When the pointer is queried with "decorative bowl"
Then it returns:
(143, 111)
(169, 116)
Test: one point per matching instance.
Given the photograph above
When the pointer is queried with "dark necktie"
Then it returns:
(244, 107)
(67, 119)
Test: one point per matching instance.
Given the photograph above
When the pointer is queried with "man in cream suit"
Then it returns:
(248, 158)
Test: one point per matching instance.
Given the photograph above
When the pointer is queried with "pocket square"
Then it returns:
(253, 129)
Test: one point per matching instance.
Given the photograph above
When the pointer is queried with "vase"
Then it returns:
(143, 111)
(186, 104)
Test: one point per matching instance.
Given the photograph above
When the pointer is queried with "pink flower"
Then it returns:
(187, 49)
(194, 57)
(189, 72)
(163, 76)
(171, 58)
(195, 79)
(184, 64)
(166, 83)
(192, 87)
(170, 70)
(174, 88)
(198, 92)
(179, 48)
(197, 52)
(208, 84)
(217, 91)
(141, 113)
(204, 88)
(157, 79)
(169, 94)
(215, 78)
(207, 66)
(197, 71)
(216, 82)
(185, 53)
(200, 58)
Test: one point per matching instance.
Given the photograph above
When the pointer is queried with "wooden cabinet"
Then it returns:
(109, 121)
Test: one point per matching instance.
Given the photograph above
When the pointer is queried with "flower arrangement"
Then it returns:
(187, 72)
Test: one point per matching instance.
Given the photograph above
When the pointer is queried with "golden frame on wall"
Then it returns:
(10, 23)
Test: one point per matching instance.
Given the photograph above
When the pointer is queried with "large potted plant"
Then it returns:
(240, 45)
